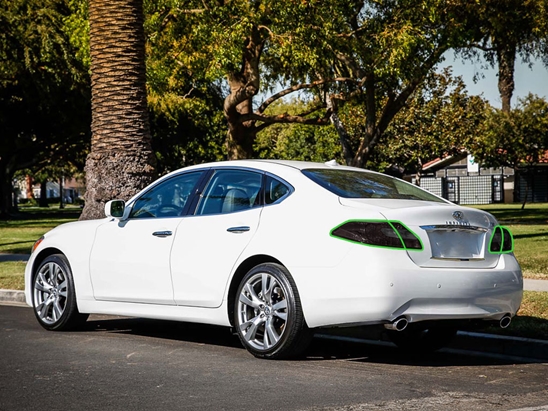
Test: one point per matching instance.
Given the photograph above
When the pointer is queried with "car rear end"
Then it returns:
(413, 260)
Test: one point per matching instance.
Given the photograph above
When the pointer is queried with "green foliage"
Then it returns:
(297, 141)
(440, 119)
(185, 104)
(514, 139)
(44, 89)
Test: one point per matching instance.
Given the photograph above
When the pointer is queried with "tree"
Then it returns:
(297, 141)
(504, 30)
(44, 91)
(240, 45)
(440, 119)
(516, 139)
(121, 161)
(375, 52)
(187, 123)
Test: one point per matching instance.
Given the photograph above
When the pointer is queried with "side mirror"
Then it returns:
(115, 208)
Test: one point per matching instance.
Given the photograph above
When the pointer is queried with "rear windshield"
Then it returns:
(364, 184)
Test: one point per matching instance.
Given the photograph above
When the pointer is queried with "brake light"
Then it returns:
(378, 233)
(502, 241)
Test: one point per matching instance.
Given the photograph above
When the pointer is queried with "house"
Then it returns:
(460, 180)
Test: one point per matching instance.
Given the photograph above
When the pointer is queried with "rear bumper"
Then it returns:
(373, 287)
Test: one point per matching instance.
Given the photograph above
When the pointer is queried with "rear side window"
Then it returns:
(230, 191)
(364, 184)
(275, 190)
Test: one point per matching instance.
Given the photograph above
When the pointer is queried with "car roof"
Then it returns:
(270, 164)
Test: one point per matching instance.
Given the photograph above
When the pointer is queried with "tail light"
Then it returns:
(502, 241)
(389, 234)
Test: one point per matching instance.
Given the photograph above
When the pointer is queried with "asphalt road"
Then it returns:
(119, 363)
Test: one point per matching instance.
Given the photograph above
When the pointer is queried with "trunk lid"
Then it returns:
(452, 236)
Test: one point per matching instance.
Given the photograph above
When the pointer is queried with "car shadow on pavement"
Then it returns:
(321, 349)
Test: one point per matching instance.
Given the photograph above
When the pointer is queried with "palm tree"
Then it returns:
(121, 161)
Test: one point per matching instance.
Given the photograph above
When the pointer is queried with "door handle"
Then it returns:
(241, 229)
(162, 233)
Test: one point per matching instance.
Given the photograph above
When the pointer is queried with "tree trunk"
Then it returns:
(61, 194)
(121, 161)
(244, 85)
(241, 135)
(506, 58)
(5, 192)
(43, 202)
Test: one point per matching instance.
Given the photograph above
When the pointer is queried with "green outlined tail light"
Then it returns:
(502, 241)
(378, 233)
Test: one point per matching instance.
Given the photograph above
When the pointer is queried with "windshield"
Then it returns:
(364, 184)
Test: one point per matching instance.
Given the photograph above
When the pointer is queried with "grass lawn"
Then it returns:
(18, 235)
(530, 230)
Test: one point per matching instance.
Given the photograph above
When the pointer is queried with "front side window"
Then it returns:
(167, 199)
(364, 184)
(229, 191)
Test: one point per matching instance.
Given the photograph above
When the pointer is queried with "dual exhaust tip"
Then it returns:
(401, 323)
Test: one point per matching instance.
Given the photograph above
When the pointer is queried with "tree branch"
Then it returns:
(298, 87)
(284, 119)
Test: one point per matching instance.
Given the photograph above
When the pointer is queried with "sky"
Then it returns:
(534, 80)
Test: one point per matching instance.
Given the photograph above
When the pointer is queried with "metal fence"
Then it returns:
(467, 189)
(538, 186)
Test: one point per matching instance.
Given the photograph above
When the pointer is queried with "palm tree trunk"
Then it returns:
(121, 161)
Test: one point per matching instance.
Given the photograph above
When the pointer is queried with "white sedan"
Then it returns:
(276, 249)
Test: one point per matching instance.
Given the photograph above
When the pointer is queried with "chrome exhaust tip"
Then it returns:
(505, 321)
(399, 324)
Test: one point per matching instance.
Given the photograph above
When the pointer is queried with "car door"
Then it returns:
(130, 259)
(208, 244)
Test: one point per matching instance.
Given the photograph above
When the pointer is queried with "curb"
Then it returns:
(13, 296)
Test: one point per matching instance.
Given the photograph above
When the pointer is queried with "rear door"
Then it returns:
(209, 243)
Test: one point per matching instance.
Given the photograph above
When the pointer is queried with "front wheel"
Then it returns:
(54, 297)
(267, 314)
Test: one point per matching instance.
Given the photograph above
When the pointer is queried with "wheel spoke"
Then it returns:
(57, 310)
(42, 287)
(271, 337)
(245, 300)
(268, 284)
(276, 309)
(264, 283)
(250, 327)
(62, 289)
(43, 282)
(45, 309)
(256, 301)
(52, 274)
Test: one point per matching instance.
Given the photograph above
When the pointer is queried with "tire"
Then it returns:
(53, 295)
(268, 316)
(422, 341)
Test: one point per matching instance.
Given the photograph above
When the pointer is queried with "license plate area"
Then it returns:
(457, 244)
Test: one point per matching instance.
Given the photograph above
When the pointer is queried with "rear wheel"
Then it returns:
(54, 297)
(422, 341)
(268, 314)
